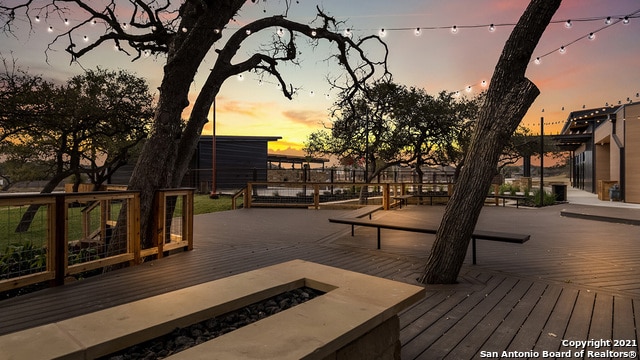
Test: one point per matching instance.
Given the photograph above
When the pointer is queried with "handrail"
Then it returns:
(71, 233)
(235, 197)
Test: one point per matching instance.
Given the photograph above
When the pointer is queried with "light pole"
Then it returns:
(542, 161)
(213, 194)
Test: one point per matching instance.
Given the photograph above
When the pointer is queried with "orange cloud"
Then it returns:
(310, 118)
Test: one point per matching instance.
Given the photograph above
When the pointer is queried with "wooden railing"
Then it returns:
(309, 194)
(50, 237)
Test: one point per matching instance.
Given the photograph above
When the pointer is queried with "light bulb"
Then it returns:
(313, 33)
(484, 83)
(184, 29)
(417, 32)
(382, 33)
(608, 20)
(85, 38)
(468, 88)
(66, 22)
(537, 61)
(591, 36)
(568, 24)
(454, 29)
(248, 32)
(347, 33)
(240, 77)
(625, 20)
(50, 29)
(280, 32)
(492, 28)
(562, 49)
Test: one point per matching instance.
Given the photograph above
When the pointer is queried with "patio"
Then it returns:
(575, 280)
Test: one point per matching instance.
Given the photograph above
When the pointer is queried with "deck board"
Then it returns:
(519, 298)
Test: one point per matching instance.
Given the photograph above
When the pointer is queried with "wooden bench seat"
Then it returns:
(360, 213)
(402, 199)
(477, 234)
(517, 198)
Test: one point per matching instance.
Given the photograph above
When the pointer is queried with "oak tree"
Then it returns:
(508, 98)
(183, 34)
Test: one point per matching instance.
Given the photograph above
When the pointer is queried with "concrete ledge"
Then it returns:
(354, 304)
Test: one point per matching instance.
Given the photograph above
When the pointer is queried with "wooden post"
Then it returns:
(247, 196)
(60, 244)
(316, 196)
(386, 198)
(133, 223)
(160, 221)
(187, 219)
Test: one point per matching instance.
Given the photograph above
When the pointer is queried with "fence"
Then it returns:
(236, 179)
(50, 237)
(309, 194)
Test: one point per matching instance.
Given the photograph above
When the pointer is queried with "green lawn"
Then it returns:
(202, 204)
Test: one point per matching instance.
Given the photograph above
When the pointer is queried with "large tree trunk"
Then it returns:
(509, 97)
(160, 158)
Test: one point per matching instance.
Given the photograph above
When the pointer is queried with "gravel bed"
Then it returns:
(183, 338)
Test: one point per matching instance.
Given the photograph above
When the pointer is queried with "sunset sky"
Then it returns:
(590, 73)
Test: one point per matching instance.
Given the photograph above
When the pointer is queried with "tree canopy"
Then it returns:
(391, 124)
(86, 126)
(183, 33)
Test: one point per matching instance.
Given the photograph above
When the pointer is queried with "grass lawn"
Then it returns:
(202, 204)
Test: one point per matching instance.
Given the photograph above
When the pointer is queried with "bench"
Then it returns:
(477, 234)
(517, 198)
(431, 196)
(402, 199)
(360, 213)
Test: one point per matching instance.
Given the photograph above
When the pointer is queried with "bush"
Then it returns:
(547, 198)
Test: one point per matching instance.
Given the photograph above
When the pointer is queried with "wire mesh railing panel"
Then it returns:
(24, 238)
(282, 194)
(173, 218)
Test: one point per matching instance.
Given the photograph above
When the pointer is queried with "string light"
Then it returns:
(417, 31)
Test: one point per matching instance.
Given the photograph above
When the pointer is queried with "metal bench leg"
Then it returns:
(473, 249)
(378, 238)
(352, 226)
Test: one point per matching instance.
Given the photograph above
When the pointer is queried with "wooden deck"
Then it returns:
(574, 280)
